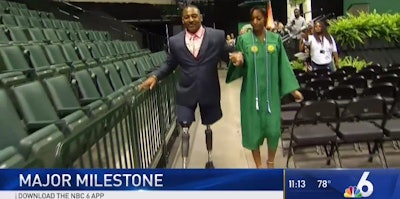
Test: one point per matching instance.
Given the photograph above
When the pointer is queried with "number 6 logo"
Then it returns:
(365, 183)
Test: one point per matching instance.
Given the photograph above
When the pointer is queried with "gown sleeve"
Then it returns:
(233, 71)
(287, 80)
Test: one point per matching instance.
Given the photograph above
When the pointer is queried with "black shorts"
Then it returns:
(209, 114)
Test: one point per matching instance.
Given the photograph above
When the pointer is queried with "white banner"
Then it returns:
(138, 194)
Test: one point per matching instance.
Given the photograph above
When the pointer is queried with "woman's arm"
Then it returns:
(336, 58)
(335, 53)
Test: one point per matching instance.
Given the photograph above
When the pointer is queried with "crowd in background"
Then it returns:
(308, 41)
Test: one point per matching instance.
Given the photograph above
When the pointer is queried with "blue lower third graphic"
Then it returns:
(334, 184)
(103, 179)
(121, 184)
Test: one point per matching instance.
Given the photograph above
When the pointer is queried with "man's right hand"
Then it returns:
(149, 83)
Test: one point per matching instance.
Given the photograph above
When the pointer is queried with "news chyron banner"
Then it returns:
(137, 183)
(334, 184)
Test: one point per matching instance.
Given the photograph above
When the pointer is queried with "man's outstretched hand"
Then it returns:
(149, 83)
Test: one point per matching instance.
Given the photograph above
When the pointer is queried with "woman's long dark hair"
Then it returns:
(324, 32)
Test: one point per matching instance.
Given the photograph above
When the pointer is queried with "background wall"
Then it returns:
(381, 6)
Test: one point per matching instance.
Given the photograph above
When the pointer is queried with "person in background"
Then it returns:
(279, 28)
(295, 26)
(197, 50)
(230, 41)
(304, 48)
(267, 76)
(233, 37)
(322, 48)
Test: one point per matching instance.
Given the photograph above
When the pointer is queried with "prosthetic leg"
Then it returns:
(185, 143)
(209, 142)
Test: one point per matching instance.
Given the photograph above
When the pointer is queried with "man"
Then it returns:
(197, 50)
(295, 28)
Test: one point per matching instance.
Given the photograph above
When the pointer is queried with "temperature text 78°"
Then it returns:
(323, 183)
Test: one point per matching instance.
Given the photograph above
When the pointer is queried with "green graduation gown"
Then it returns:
(267, 82)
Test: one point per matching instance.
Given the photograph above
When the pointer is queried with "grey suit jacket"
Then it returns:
(199, 76)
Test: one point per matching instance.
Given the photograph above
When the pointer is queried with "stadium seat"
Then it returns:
(51, 35)
(8, 20)
(116, 81)
(103, 84)
(65, 101)
(18, 36)
(133, 70)
(22, 21)
(85, 54)
(41, 143)
(35, 22)
(56, 56)
(13, 60)
(125, 74)
(37, 110)
(63, 36)
(37, 36)
(71, 56)
(38, 59)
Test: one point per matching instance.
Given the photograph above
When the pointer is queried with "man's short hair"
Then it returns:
(191, 6)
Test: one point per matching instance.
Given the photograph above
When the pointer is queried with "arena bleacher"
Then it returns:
(69, 98)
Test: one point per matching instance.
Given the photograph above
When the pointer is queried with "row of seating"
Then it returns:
(60, 83)
(53, 108)
(360, 85)
(343, 94)
(369, 73)
(344, 91)
(26, 36)
(11, 4)
(10, 20)
(321, 123)
(28, 62)
(27, 12)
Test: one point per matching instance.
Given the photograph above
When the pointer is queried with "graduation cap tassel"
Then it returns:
(257, 107)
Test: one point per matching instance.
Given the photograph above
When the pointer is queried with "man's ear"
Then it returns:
(201, 18)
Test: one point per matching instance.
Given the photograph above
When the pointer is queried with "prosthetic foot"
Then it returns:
(185, 143)
(209, 164)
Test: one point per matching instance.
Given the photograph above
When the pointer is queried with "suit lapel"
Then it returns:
(204, 45)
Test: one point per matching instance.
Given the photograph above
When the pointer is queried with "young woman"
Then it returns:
(322, 48)
(267, 76)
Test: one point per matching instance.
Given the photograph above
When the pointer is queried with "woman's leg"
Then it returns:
(271, 158)
(273, 142)
(257, 158)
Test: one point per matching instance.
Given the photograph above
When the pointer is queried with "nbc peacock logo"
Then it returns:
(358, 191)
(352, 192)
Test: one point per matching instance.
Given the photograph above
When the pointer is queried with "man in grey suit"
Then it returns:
(197, 50)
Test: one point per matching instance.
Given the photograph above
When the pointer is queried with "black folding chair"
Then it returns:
(361, 121)
(312, 127)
